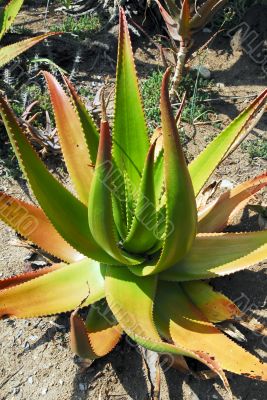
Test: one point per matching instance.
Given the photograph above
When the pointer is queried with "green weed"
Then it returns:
(256, 148)
(79, 26)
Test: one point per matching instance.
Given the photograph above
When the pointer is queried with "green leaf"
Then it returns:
(219, 254)
(203, 166)
(66, 213)
(130, 138)
(181, 215)
(58, 291)
(72, 139)
(89, 128)
(142, 236)
(8, 15)
(8, 53)
(100, 209)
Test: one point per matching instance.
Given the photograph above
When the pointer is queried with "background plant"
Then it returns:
(182, 25)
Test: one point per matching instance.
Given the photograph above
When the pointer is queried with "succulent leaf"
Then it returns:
(100, 210)
(26, 276)
(205, 163)
(181, 215)
(97, 337)
(216, 215)
(141, 236)
(8, 15)
(214, 305)
(72, 139)
(130, 137)
(31, 222)
(189, 328)
(58, 291)
(219, 254)
(8, 53)
(204, 13)
(90, 131)
(66, 213)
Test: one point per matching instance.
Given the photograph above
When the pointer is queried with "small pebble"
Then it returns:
(203, 71)
(220, 85)
(206, 30)
(44, 391)
(30, 380)
(82, 387)
(61, 382)
(226, 184)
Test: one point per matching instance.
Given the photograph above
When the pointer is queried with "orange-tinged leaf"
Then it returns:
(216, 215)
(205, 12)
(102, 328)
(190, 328)
(214, 305)
(67, 214)
(184, 26)
(72, 139)
(26, 276)
(79, 341)
(131, 300)
(90, 130)
(219, 254)
(31, 222)
(172, 25)
(58, 291)
(98, 336)
(8, 53)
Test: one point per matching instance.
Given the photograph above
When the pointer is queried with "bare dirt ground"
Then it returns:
(36, 362)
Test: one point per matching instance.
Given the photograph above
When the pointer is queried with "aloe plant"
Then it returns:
(8, 14)
(182, 25)
(132, 243)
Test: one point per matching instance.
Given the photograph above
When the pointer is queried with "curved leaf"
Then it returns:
(58, 291)
(32, 224)
(8, 53)
(98, 336)
(205, 163)
(26, 276)
(216, 215)
(189, 328)
(72, 139)
(205, 12)
(141, 236)
(90, 130)
(8, 15)
(215, 306)
(67, 214)
(130, 137)
(181, 214)
(131, 299)
(100, 211)
(219, 254)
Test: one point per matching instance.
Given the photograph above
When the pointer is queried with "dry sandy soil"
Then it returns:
(36, 362)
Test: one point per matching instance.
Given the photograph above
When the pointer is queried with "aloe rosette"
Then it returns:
(132, 243)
